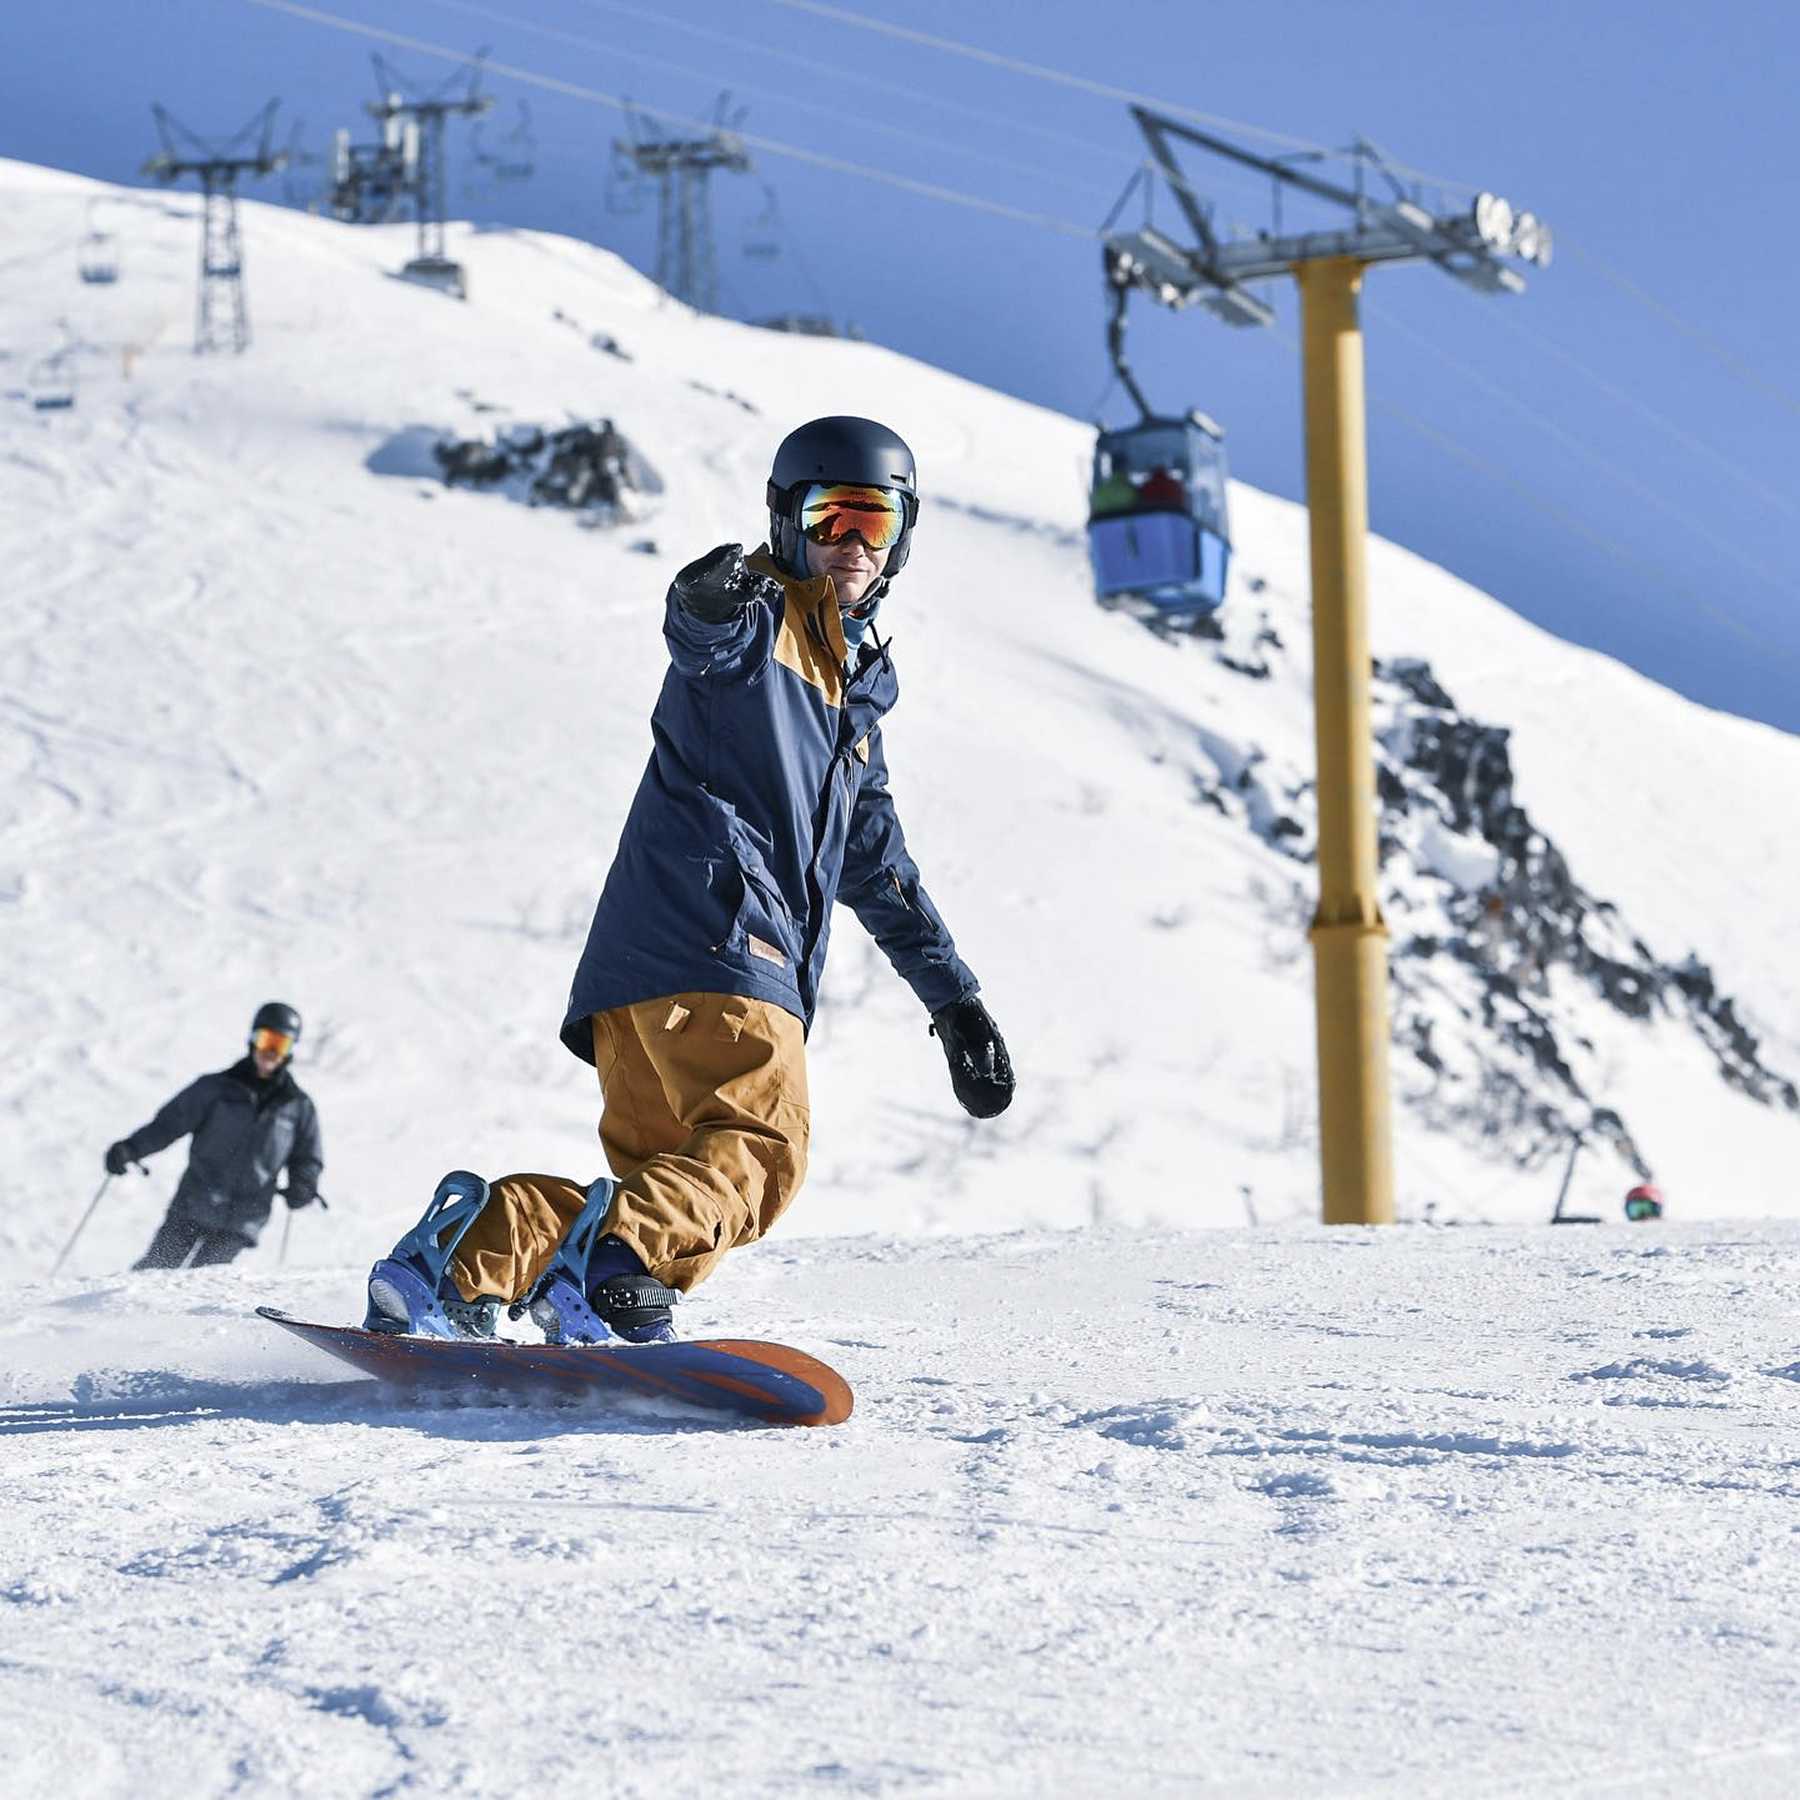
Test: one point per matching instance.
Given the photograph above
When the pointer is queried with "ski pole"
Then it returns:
(287, 1224)
(79, 1229)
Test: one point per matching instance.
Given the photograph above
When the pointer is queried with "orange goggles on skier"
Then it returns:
(272, 1043)
(831, 512)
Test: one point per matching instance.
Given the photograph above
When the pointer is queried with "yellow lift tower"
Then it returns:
(1349, 935)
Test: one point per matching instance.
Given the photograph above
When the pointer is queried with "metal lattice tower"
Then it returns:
(222, 314)
(687, 263)
(418, 125)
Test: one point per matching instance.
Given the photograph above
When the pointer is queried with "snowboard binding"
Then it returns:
(596, 1288)
(409, 1292)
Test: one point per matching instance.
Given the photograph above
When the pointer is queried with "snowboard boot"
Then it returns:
(596, 1287)
(410, 1292)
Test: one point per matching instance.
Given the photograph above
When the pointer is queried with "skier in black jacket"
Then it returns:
(248, 1122)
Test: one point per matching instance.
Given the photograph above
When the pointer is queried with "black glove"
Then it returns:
(118, 1158)
(718, 585)
(298, 1197)
(980, 1070)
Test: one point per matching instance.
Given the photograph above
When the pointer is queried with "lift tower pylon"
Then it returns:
(221, 314)
(1349, 935)
(686, 259)
(414, 128)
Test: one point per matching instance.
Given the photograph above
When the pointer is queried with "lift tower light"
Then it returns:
(1349, 935)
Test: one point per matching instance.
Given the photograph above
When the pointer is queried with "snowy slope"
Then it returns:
(274, 723)
(1501, 1511)
(1271, 1513)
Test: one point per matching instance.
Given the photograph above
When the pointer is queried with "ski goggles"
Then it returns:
(1641, 1206)
(272, 1043)
(829, 512)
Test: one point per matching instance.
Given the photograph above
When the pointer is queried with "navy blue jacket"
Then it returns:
(765, 801)
(245, 1133)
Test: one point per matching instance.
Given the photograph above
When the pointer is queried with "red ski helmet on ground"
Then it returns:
(1645, 1201)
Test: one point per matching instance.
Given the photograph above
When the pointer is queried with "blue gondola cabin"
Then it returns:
(1158, 532)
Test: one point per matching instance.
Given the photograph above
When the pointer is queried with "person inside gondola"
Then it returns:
(1114, 494)
(1161, 490)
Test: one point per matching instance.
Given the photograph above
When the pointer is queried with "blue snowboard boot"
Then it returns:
(410, 1294)
(596, 1287)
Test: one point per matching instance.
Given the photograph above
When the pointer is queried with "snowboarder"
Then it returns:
(248, 1123)
(765, 800)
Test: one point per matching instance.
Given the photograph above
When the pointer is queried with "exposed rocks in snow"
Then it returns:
(597, 340)
(1516, 916)
(589, 468)
(727, 394)
(1497, 950)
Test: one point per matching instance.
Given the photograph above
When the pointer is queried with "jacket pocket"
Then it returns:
(762, 927)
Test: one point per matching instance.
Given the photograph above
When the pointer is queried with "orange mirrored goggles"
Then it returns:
(830, 512)
(272, 1043)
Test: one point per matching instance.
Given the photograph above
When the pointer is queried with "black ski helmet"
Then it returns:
(274, 1015)
(845, 449)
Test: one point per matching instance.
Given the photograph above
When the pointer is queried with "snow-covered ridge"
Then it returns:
(275, 723)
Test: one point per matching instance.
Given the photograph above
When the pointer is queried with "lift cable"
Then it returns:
(1743, 370)
(1782, 582)
(575, 90)
(820, 66)
(1746, 372)
(494, 15)
(958, 197)
(1625, 397)
(1104, 90)
(1620, 553)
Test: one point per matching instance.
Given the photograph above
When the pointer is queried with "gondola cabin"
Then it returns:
(1159, 536)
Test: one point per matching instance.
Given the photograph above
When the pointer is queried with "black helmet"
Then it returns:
(839, 449)
(275, 1016)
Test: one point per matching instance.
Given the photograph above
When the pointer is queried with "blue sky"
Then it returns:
(1614, 454)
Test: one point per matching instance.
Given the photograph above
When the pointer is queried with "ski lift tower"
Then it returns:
(370, 181)
(415, 127)
(222, 318)
(1387, 223)
(686, 260)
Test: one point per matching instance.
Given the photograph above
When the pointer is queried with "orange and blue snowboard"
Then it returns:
(753, 1380)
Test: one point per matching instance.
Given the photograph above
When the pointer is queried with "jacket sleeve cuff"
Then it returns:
(943, 984)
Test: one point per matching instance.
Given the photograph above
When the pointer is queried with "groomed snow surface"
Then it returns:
(1127, 1505)
(1432, 1512)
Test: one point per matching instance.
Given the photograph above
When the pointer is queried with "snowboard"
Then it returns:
(741, 1376)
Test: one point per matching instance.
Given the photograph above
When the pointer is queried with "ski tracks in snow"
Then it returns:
(1256, 1512)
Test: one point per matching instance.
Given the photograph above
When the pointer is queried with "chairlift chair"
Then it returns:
(51, 384)
(99, 261)
(762, 236)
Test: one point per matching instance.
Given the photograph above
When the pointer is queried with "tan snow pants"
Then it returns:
(704, 1122)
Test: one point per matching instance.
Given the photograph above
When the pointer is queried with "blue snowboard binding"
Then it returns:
(597, 1288)
(409, 1292)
